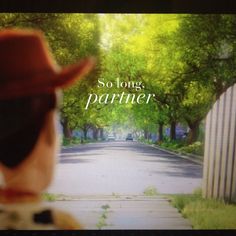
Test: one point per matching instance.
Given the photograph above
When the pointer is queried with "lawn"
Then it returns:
(205, 213)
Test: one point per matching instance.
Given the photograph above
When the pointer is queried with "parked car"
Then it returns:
(129, 137)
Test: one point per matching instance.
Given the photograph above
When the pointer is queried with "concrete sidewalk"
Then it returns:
(123, 212)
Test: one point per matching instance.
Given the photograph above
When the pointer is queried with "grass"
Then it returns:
(49, 197)
(116, 195)
(68, 142)
(205, 213)
(179, 146)
(76, 141)
(105, 207)
(101, 222)
(150, 191)
(196, 148)
(102, 219)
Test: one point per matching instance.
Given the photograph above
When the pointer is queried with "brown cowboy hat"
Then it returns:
(27, 66)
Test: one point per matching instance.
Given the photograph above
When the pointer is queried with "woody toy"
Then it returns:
(29, 85)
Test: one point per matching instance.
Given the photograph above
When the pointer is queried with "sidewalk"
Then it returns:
(123, 212)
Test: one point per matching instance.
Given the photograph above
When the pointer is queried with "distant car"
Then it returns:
(111, 137)
(129, 137)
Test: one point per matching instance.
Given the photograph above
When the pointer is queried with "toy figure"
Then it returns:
(29, 85)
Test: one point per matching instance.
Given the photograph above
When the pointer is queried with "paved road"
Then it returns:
(123, 168)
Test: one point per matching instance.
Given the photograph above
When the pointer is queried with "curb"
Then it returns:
(75, 145)
(68, 147)
(78, 144)
(190, 158)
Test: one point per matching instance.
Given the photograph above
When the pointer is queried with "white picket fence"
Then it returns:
(219, 174)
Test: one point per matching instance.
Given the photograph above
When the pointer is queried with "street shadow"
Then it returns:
(74, 161)
(183, 171)
(145, 150)
(171, 160)
(117, 146)
(81, 148)
(178, 167)
(169, 156)
(78, 155)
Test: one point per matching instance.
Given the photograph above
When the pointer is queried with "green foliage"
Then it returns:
(49, 197)
(177, 69)
(181, 200)
(187, 61)
(195, 148)
(102, 219)
(76, 141)
(146, 141)
(181, 146)
(197, 191)
(205, 213)
(71, 141)
(116, 195)
(66, 141)
(150, 191)
(172, 144)
(71, 37)
(105, 207)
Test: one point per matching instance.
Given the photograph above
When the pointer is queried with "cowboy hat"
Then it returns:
(27, 67)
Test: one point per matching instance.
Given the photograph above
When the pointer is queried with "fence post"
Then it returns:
(219, 171)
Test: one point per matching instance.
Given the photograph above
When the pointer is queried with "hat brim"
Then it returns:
(51, 81)
(70, 74)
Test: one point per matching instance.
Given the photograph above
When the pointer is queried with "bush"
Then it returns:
(150, 191)
(75, 140)
(172, 144)
(180, 146)
(70, 141)
(66, 141)
(195, 148)
(147, 141)
(49, 197)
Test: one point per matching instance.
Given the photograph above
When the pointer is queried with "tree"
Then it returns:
(208, 65)
(71, 37)
(187, 61)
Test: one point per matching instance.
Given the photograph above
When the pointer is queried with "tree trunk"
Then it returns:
(66, 129)
(149, 136)
(85, 130)
(194, 132)
(145, 134)
(95, 133)
(101, 133)
(219, 88)
(160, 132)
(172, 130)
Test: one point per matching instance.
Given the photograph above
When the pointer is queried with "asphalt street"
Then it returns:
(122, 168)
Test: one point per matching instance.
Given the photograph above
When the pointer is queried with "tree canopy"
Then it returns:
(185, 61)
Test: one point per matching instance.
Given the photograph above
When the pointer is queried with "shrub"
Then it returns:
(70, 141)
(49, 197)
(172, 144)
(150, 191)
(66, 141)
(195, 148)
